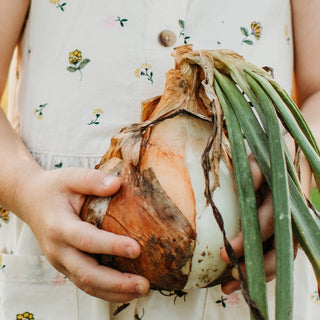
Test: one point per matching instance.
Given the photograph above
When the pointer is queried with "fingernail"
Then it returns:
(140, 289)
(235, 273)
(109, 180)
(129, 252)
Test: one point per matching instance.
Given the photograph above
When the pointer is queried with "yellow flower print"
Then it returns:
(4, 215)
(97, 112)
(137, 73)
(146, 66)
(77, 64)
(38, 115)
(38, 111)
(286, 33)
(75, 57)
(2, 266)
(25, 316)
(256, 29)
(144, 71)
(58, 4)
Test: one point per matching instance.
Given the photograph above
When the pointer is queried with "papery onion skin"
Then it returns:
(173, 257)
(161, 203)
(142, 211)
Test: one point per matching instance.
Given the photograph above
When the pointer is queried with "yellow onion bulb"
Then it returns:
(162, 203)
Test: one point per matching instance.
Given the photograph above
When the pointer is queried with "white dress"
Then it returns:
(83, 69)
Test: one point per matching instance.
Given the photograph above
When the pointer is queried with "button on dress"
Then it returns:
(167, 38)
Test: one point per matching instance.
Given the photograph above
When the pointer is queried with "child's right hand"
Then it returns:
(50, 202)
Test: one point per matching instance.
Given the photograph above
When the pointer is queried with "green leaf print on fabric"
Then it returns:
(25, 316)
(112, 21)
(97, 112)
(222, 301)
(315, 297)
(182, 33)
(58, 4)
(38, 111)
(58, 165)
(77, 64)
(144, 71)
(232, 299)
(121, 21)
(256, 29)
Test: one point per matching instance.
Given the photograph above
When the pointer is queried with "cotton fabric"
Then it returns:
(82, 70)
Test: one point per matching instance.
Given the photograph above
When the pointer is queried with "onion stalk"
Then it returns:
(178, 166)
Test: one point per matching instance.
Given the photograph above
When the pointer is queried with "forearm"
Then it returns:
(16, 166)
(306, 17)
(311, 112)
(15, 161)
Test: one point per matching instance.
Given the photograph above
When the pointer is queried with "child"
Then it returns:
(81, 70)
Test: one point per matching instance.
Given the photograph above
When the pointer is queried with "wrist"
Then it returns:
(22, 184)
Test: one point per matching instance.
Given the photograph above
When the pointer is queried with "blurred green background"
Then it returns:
(315, 198)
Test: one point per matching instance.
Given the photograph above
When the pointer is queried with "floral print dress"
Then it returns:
(81, 73)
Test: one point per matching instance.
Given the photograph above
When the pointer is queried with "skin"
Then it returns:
(306, 15)
(50, 201)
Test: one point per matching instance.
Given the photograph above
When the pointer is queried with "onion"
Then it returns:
(178, 167)
(161, 203)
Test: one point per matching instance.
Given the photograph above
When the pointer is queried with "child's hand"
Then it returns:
(51, 202)
(265, 212)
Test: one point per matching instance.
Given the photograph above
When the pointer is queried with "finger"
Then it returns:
(237, 246)
(256, 172)
(266, 222)
(89, 181)
(270, 264)
(88, 238)
(265, 213)
(230, 287)
(270, 272)
(101, 281)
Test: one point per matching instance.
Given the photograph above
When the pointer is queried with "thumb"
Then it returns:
(91, 182)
